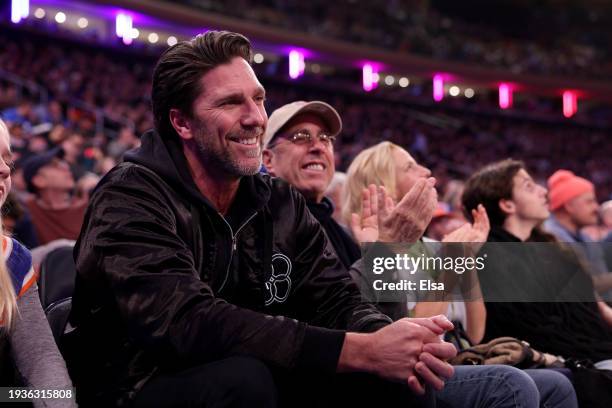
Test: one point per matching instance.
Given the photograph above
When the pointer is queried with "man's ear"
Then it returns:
(507, 206)
(39, 181)
(569, 207)
(266, 157)
(181, 124)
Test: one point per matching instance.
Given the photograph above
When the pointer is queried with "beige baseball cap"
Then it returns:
(284, 114)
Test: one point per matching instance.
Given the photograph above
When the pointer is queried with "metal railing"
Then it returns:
(22, 84)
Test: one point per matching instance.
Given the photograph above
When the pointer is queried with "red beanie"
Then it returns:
(564, 185)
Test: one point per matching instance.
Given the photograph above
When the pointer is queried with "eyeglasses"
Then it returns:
(304, 138)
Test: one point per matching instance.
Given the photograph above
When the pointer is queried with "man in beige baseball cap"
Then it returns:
(281, 116)
(299, 146)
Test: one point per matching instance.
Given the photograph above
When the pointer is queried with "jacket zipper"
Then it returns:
(234, 245)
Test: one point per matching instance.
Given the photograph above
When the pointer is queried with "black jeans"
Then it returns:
(239, 382)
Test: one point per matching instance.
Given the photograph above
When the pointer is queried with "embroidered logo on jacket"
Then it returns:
(278, 285)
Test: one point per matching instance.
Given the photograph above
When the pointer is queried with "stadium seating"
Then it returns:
(56, 284)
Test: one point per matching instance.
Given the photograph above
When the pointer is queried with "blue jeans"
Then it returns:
(502, 386)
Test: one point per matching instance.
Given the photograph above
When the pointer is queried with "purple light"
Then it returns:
(123, 27)
(20, 9)
(296, 64)
(505, 96)
(120, 24)
(438, 87)
(370, 77)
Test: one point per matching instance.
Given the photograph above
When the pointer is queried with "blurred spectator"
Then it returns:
(125, 141)
(55, 213)
(73, 146)
(38, 144)
(574, 206)
(443, 222)
(105, 165)
(53, 113)
(17, 223)
(86, 185)
(334, 192)
(452, 195)
(606, 215)
(21, 114)
(596, 232)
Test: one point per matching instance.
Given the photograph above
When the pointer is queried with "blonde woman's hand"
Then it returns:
(408, 220)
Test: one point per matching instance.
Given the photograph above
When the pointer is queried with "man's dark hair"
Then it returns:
(176, 79)
(489, 185)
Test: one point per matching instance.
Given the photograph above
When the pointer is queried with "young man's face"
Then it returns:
(529, 198)
(583, 209)
(606, 216)
(54, 175)
(407, 172)
(309, 166)
(229, 119)
(5, 165)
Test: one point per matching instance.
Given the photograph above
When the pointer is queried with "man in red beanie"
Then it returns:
(574, 205)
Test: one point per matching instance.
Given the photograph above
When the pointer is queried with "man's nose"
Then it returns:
(254, 115)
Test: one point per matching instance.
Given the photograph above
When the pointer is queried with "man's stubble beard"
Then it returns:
(217, 156)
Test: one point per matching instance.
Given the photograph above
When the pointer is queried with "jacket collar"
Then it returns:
(165, 157)
(499, 234)
(322, 210)
(553, 225)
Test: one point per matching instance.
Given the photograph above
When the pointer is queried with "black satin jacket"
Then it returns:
(164, 282)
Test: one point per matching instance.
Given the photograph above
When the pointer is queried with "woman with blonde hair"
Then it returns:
(374, 165)
(8, 303)
(28, 354)
(391, 167)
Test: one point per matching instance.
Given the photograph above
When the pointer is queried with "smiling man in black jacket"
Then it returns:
(203, 283)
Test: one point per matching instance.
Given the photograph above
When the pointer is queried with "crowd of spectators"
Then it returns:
(419, 28)
(82, 79)
(83, 83)
(73, 112)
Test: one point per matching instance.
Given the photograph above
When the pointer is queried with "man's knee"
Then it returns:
(563, 385)
(248, 382)
(494, 385)
(523, 388)
(555, 388)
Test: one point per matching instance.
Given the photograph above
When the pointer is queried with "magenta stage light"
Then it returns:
(123, 27)
(570, 104)
(296, 64)
(505, 96)
(438, 87)
(369, 77)
(20, 9)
